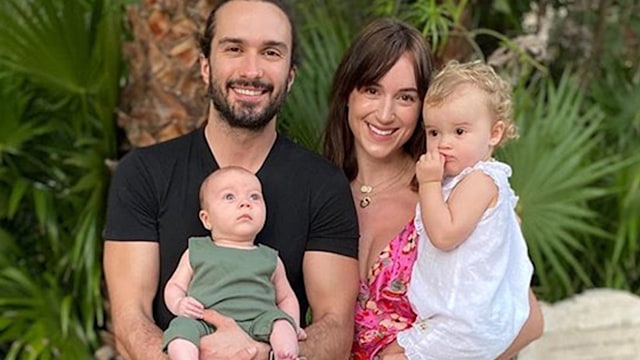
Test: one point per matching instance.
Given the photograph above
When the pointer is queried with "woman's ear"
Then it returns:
(497, 131)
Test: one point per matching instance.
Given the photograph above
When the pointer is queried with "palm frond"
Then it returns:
(326, 34)
(557, 175)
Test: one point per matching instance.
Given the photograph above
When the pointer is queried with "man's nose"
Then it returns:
(251, 66)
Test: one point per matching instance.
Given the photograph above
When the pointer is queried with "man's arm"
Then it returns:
(131, 270)
(331, 282)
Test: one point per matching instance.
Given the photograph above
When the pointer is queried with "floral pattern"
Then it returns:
(383, 309)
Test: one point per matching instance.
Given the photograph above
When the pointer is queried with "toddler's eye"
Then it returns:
(460, 131)
(432, 133)
(229, 196)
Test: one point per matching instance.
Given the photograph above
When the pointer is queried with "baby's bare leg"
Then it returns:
(284, 340)
(181, 349)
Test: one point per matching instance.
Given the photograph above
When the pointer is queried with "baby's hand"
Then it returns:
(302, 335)
(190, 307)
(430, 167)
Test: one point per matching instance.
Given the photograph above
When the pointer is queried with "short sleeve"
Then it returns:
(334, 223)
(132, 208)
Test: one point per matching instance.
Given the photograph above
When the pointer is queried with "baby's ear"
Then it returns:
(204, 218)
(497, 131)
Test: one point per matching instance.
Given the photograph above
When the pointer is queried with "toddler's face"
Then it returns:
(462, 129)
(235, 206)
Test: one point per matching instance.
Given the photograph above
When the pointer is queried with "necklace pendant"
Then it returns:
(365, 189)
(365, 202)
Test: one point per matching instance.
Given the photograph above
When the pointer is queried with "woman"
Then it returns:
(374, 133)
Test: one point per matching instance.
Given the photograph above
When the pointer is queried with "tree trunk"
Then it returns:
(164, 96)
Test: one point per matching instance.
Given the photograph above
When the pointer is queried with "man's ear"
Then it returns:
(205, 69)
(292, 77)
(204, 218)
(497, 130)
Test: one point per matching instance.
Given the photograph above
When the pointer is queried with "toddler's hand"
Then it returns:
(190, 307)
(430, 167)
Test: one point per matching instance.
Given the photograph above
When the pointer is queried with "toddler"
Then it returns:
(470, 282)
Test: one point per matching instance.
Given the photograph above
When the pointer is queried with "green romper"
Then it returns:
(234, 282)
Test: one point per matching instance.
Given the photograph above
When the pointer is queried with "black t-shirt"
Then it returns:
(154, 197)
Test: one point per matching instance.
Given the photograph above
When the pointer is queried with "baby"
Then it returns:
(228, 273)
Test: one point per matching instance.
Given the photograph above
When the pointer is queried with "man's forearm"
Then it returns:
(141, 340)
(327, 339)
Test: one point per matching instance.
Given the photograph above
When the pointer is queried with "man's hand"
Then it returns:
(229, 341)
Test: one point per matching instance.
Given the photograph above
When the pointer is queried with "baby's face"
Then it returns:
(462, 129)
(235, 206)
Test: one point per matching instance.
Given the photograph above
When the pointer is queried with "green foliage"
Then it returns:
(558, 171)
(60, 66)
(617, 92)
(324, 36)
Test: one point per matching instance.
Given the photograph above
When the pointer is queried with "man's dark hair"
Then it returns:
(207, 36)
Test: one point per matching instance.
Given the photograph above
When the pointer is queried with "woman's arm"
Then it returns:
(531, 330)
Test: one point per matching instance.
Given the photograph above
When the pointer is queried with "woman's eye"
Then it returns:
(407, 98)
(371, 91)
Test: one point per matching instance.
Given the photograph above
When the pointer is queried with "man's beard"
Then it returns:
(243, 115)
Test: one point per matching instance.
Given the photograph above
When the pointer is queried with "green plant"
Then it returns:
(325, 34)
(558, 171)
(59, 75)
(617, 92)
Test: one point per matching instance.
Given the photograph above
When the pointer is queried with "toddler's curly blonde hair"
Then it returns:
(483, 77)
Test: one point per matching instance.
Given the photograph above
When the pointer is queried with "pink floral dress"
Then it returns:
(382, 309)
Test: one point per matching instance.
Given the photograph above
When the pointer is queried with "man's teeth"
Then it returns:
(379, 131)
(248, 92)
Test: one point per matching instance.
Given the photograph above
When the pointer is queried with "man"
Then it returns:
(248, 64)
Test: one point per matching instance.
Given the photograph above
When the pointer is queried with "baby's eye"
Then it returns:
(229, 196)
(460, 131)
(255, 197)
(432, 133)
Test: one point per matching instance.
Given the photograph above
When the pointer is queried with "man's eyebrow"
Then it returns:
(268, 43)
(231, 40)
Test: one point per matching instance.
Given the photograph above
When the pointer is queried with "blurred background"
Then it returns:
(84, 81)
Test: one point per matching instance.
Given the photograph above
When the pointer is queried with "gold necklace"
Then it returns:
(366, 191)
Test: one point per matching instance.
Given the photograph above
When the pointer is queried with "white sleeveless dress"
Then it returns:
(472, 301)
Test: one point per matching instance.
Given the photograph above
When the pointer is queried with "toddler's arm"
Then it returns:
(449, 223)
(286, 298)
(175, 292)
